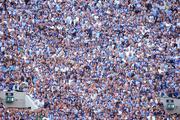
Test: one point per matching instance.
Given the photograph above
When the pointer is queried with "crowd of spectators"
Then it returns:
(90, 59)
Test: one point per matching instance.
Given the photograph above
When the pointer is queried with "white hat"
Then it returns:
(44, 118)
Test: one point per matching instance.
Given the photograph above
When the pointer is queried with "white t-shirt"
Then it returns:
(151, 118)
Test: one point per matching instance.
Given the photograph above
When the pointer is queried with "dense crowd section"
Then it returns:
(90, 59)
